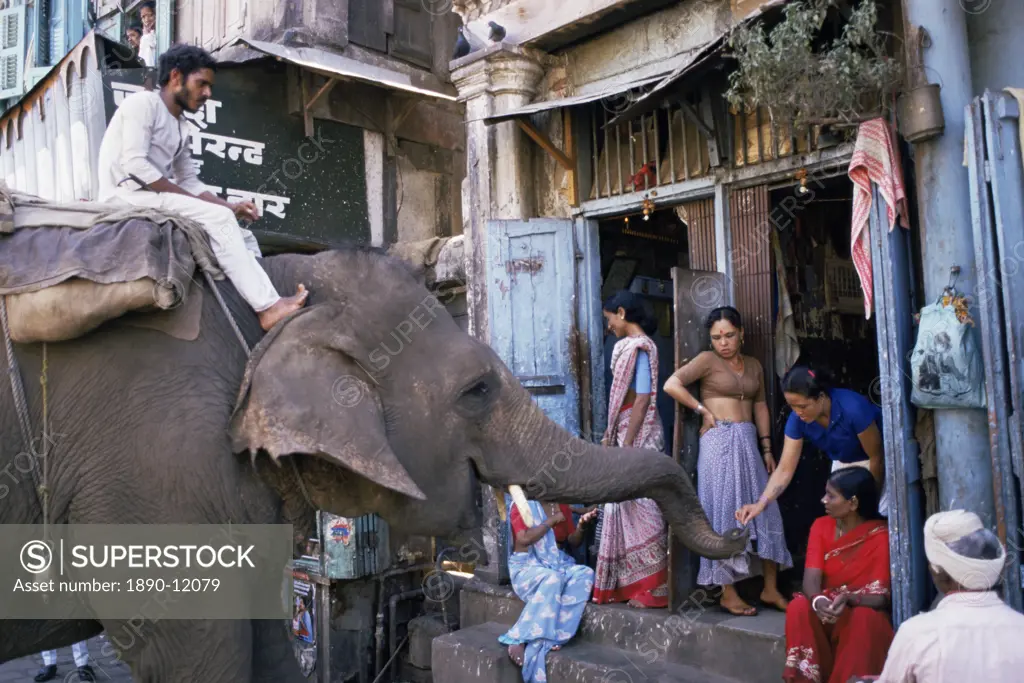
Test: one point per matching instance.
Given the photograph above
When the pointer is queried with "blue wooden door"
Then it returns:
(531, 287)
(997, 203)
(890, 260)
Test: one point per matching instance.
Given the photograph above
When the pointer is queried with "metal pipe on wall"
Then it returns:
(961, 436)
(378, 634)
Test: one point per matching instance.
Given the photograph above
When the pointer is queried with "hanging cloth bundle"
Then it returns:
(947, 370)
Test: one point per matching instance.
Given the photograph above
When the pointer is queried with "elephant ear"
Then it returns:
(303, 392)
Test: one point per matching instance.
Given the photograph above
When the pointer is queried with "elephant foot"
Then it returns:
(284, 307)
(47, 673)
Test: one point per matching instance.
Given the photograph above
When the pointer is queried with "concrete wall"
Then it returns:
(994, 39)
(646, 45)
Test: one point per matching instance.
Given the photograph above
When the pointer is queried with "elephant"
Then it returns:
(371, 398)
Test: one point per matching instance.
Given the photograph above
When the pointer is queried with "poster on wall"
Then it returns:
(304, 608)
(248, 146)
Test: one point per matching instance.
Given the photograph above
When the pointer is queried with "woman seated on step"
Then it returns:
(554, 588)
(839, 628)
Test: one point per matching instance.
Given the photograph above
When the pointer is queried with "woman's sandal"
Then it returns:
(521, 651)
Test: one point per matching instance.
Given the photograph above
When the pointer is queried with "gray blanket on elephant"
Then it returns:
(66, 268)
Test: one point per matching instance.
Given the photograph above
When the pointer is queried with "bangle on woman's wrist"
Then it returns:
(814, 600)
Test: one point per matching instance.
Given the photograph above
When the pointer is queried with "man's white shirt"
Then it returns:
(146, 141)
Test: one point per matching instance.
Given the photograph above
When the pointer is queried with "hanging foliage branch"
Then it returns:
(847, 81)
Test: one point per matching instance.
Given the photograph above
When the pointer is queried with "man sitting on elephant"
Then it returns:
(145, 159)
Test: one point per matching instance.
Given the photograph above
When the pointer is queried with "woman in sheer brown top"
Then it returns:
(731, 469)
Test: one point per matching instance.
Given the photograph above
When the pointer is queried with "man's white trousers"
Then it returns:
(235, 247)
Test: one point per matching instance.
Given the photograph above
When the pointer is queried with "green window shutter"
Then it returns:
(12, 51)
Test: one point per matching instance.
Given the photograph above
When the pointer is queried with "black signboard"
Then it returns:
(248, 146)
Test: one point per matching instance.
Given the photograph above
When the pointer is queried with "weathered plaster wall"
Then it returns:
(551, 186)
(997, 52)
(647, 45)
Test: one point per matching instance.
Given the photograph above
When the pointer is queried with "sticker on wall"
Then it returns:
(341, 530)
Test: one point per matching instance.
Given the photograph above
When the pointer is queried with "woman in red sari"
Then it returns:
(839, 628)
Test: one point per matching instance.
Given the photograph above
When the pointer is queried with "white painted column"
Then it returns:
(373, 152)
(498, 181)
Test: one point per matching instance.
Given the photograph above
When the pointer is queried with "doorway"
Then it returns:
(638, 253)
(827, 329)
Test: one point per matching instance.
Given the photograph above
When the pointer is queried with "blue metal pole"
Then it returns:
(961, 436)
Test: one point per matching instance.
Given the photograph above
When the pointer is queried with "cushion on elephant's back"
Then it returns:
(62, 282)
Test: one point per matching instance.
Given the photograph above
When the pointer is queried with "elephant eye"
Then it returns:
(477, 398)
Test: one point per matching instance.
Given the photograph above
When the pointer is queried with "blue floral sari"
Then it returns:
(555, 590)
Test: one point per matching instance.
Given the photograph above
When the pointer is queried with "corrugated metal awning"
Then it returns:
(338, 66)
(548, 105)
(650, 101)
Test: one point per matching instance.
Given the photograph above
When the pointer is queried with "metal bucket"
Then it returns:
(921, 116)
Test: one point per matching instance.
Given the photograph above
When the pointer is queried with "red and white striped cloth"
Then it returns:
(874, 159)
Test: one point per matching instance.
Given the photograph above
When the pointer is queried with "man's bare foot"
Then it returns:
(285, 306)
(775, 599)
(516, 652)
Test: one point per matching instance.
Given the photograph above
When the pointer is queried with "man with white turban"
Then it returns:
(972, 635)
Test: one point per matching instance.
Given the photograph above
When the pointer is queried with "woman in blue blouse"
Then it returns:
(844, 425)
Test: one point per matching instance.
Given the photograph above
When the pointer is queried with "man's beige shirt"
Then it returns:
(967, 637)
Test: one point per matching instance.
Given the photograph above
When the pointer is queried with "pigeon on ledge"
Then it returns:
(462, 47)
(497, 33)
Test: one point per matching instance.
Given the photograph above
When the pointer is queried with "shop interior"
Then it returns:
(812, 221)
(639, 255)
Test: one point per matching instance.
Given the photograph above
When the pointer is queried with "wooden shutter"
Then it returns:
(699, 216)
(12, 51)
(751, 259)
(413, 30)
(370, 22)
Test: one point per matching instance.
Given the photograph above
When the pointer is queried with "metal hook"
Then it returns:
(954, 275)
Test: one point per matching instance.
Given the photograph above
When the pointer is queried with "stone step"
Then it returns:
(751, 649)
(475, 655)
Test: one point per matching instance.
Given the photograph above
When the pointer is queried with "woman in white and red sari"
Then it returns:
(632, 562)
(839, 628)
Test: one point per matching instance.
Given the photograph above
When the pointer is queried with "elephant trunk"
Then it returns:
(554, 466)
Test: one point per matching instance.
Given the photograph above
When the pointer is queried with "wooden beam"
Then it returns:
(570, 144)
(692, 114)
(308, 102)
(708, 111)
(546, 144)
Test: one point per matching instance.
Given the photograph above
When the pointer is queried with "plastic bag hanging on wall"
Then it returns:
(947, 369)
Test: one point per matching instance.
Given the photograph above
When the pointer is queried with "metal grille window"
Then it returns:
(672, 144)
(661, 148)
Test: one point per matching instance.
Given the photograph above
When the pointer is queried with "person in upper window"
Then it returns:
(147, 42)
(844, 425)
(145, 159)
(731, 469)
(632, 558)
(134, 37)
